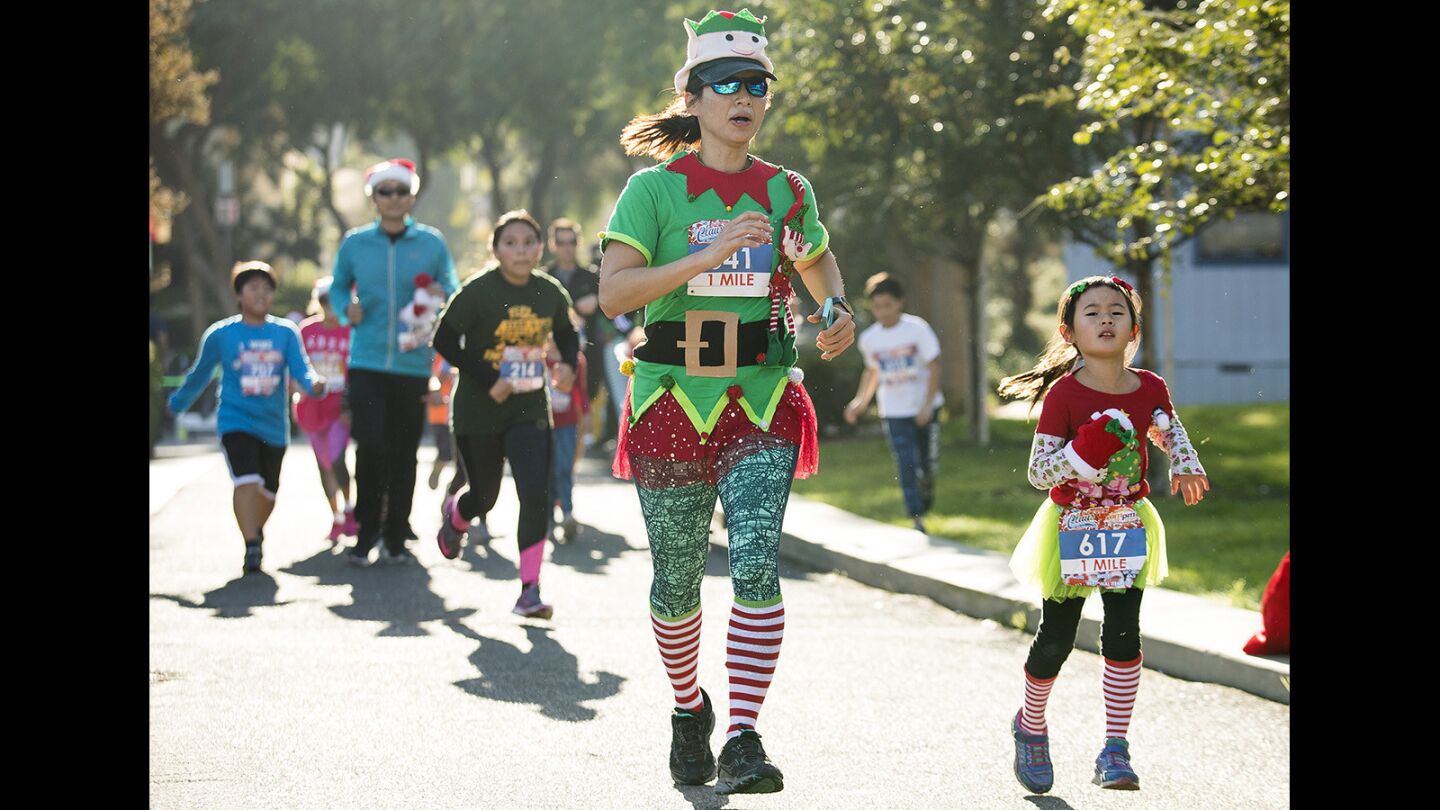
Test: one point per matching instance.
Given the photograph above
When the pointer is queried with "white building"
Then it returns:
(1231, 305)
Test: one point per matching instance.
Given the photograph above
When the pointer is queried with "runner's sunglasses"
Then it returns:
(757, 87)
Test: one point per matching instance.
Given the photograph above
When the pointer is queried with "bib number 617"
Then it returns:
(1087, 548)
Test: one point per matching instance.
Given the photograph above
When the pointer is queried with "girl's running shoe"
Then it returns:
(529, 604)
(1112, 767)
(1032, 759)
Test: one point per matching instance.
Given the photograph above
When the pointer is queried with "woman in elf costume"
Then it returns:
(1097, 530)
(709, 241)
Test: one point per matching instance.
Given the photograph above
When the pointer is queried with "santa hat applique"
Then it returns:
(392, 169)
(737, 38)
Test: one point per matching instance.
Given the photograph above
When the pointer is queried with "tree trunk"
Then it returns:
(422, 161)
(327, 163)
(544, 176)
(195, 229)
(1022, 297)
(490, 153)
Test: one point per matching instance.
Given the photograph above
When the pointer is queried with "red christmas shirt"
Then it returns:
(1070, 404)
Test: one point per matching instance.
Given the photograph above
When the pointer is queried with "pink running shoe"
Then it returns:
(351, 528)
(336, 530)
(449, 537)
(530, 605)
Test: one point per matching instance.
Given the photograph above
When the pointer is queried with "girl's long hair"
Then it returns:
(661, 134)
(1059, 357)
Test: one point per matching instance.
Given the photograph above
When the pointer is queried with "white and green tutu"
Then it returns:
(1036, 559)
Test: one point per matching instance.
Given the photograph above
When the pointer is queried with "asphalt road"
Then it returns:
(319, 685)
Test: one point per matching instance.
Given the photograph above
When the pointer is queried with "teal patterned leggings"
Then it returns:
(754, 491)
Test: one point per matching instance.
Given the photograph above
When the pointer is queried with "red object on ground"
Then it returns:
(1275, 611)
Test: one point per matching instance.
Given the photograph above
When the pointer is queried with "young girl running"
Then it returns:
(1097, 529)
(494, 330)
(254, 351)
(322, 418)
(708, 241)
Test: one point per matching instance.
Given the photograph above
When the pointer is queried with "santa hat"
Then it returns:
(736, 38)
(392, 169)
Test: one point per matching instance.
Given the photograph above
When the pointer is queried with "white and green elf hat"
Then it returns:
(733, 41)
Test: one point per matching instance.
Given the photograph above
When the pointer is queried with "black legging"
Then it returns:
(527, 446)
(387, 416)
(1059, 621)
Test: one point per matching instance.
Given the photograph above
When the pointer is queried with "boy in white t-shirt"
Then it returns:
(902, 358)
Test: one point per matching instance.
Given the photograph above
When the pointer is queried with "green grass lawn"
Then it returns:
(1226, 547)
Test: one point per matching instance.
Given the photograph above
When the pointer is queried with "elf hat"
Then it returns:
(392, 169)
(734, 41)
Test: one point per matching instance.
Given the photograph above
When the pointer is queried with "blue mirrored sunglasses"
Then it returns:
(755, 87)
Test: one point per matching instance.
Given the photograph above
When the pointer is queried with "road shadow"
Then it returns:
(235, 599)
(546, 677)
(592, 551)
(703, 796)
(1049, 802)
(485, 560)
(398, 595)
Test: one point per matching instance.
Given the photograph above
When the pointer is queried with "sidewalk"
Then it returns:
(1185, 636)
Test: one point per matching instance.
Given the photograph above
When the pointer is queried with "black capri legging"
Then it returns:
(527, 446)
(1059, 621)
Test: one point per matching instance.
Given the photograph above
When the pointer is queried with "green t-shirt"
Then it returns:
(510, 325)
(658, 216)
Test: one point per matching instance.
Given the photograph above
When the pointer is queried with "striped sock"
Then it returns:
(1121, 680)
(679, 642)
(752, 648)
(1037, 694)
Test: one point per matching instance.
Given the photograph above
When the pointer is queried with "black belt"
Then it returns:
(666, 342)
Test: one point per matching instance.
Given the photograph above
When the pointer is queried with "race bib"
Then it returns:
(331, 366)
(259, 365)
(524, 367)
(900, 365)
(746, 274)
(1103, 546)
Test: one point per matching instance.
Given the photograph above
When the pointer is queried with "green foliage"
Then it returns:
(177, 89)
(907, 110)
(1190, 106)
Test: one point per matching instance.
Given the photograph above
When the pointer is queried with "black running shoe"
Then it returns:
(691, 762)
(252, 556)
(744, 768)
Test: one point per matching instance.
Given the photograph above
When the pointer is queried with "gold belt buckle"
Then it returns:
(692, 344)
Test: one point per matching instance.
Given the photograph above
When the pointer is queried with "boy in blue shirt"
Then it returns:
(254, 351)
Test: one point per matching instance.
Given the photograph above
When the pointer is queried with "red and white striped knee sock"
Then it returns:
(679, 642)
(1121, 680)
(752, 648)
(1037, 694)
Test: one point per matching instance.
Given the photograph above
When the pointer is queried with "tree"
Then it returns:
(1192, 106)
(177, 101)
(909, 110)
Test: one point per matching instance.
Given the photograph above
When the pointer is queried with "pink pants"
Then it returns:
(329, 442)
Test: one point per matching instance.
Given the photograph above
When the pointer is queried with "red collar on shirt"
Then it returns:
(729, 186)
